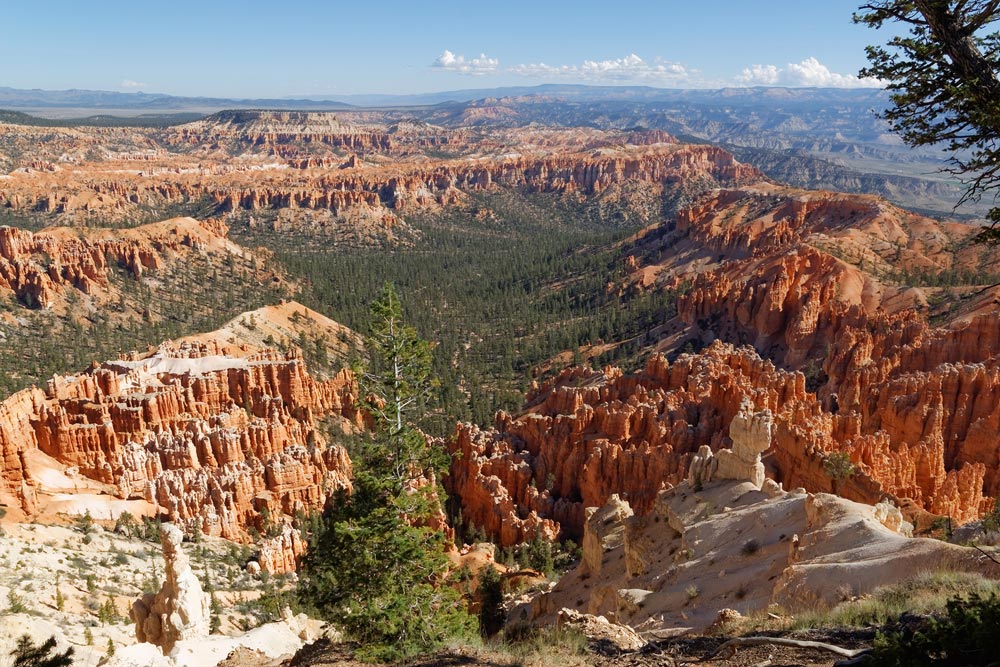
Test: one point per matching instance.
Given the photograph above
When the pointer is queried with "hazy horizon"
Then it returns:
(339, 49)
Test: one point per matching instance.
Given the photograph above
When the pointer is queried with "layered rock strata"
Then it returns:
(225, 441)
(38, 267)
(332, 172)
(589, 435)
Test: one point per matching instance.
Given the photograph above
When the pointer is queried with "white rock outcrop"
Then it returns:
(751, 435)
(180, 610)
(603, 530)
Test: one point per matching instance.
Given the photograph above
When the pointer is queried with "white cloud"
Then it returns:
(129, 83)
(475, 66)
(629, 68)
(759, 75)
(807, 74)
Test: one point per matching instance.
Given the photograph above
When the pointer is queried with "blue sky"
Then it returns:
(292, 47)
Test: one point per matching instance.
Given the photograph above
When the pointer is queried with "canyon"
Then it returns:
(355, 177)
(709, 353)
(786, 283)
(215, 434)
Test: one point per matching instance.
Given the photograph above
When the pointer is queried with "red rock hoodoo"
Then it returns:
(828, 284)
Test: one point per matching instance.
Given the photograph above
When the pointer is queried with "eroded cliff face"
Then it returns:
(590, 434)
(391, 189)
(224, 440)
(787, 270)
(332, 170)
(39, 267)
(834, 286)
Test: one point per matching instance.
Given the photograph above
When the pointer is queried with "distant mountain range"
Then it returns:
(15, 98)
(583, 93)
(811, 137)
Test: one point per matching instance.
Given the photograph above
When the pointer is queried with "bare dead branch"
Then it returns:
(729, 647)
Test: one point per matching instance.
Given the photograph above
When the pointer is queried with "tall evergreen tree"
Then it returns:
(374, 566)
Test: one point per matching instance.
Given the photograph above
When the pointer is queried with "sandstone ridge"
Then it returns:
(39, 267)
(217, 439)
(331, 173)
(731, 546)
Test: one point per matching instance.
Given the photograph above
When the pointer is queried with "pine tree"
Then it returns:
(397, 383)
(27, 654)
(491, 611)
(374, 566)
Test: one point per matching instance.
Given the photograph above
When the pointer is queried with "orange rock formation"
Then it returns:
(38, 267)
(836, 285)
(365, 168)
(217, 442)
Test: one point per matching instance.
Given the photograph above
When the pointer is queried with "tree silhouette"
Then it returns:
(944, 85)
(27, 654)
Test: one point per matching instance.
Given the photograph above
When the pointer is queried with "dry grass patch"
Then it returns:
(924, 594)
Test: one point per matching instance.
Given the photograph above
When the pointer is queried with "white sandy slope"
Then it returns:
(273, 639)
(34, 557)
(730, 545)
(282, 323)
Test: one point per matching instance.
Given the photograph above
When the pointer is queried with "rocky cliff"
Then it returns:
(397, 187)
(223, 439)
(831, 296)
(39, 267)
(791, 268)
(280, 132)
(363, 171)
(590, 434)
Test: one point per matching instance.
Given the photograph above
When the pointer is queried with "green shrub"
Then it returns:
(126, 525)
(491, 611)
(108, 612)
(84, 523)
(537, 555)
(15, 605)
(966, 635)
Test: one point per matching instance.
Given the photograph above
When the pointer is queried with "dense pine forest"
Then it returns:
(500, 299)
